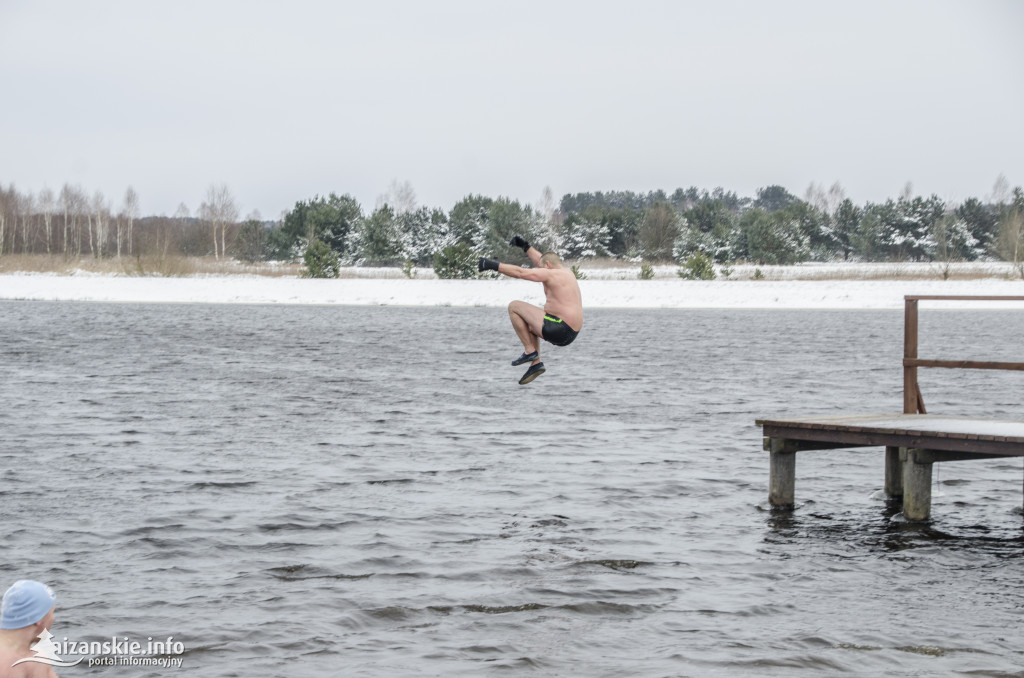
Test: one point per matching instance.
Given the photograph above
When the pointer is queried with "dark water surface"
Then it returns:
(339, 491)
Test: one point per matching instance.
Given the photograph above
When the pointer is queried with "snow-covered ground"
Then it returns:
(613, 270)
(604, 288)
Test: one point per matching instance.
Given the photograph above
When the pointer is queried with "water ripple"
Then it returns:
(229, 475)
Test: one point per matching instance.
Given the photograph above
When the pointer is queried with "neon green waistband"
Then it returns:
(553, 319)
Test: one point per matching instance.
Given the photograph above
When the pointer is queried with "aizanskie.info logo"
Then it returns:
(114, 652)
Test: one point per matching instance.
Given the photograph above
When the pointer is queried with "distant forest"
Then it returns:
(327, 232)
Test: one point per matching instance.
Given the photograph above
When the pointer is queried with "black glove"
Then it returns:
(519, 242)
(487, 265)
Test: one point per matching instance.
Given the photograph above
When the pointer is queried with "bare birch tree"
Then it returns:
(66, 202)
(208, 217)
(79, 209)
(92, 244)
(401, 198)
(1000, 192)
(1010, 245)
(131, 213)
(546, 205)
(26, 207)
(181, 216)
(99, 222)
(219, 211)
(549, 217)
(826, 201)
(229, 216)
(908, 192)
(46, 206)
(120, 228)
(72, 203)
(4, 204)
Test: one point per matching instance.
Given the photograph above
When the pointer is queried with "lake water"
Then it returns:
(343, 491)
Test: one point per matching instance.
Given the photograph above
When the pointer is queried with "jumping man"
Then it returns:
(558, 322)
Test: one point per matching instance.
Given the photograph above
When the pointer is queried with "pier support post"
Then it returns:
(782, 474)
(917, 485)
(893, 474)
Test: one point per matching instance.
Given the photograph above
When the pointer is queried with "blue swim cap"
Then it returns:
(25, 603)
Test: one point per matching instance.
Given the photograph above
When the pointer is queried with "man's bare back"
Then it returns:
(563, 298)
(8, 669)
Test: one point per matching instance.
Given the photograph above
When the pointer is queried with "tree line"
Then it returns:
(328, 232)
(73, 224)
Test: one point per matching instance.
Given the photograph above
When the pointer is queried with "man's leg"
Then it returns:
(528, 322)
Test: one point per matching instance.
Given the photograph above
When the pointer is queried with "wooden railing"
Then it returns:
(913, 403)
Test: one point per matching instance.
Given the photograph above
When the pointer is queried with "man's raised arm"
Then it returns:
(518, 241)
(513, 271)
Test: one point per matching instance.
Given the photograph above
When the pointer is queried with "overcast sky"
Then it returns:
(285, 100)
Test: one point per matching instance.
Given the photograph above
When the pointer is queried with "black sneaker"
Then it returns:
(532, 373)
(525, 358)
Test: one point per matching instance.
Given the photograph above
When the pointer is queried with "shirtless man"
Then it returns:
(558, 322)
(27, 612)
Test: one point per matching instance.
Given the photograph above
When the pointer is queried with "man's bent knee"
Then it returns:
(520, 308)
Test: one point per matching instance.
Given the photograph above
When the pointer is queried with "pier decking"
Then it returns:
(913, 440)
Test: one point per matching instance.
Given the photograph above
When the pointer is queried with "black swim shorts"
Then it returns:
(556, 331)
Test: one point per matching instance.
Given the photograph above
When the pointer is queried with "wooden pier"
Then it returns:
(913, 440)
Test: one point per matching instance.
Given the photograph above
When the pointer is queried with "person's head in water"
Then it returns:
(551, 260)
(27, 603)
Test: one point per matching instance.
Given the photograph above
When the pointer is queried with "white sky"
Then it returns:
(284, 100)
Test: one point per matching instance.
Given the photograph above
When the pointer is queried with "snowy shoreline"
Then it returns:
(648, 294)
